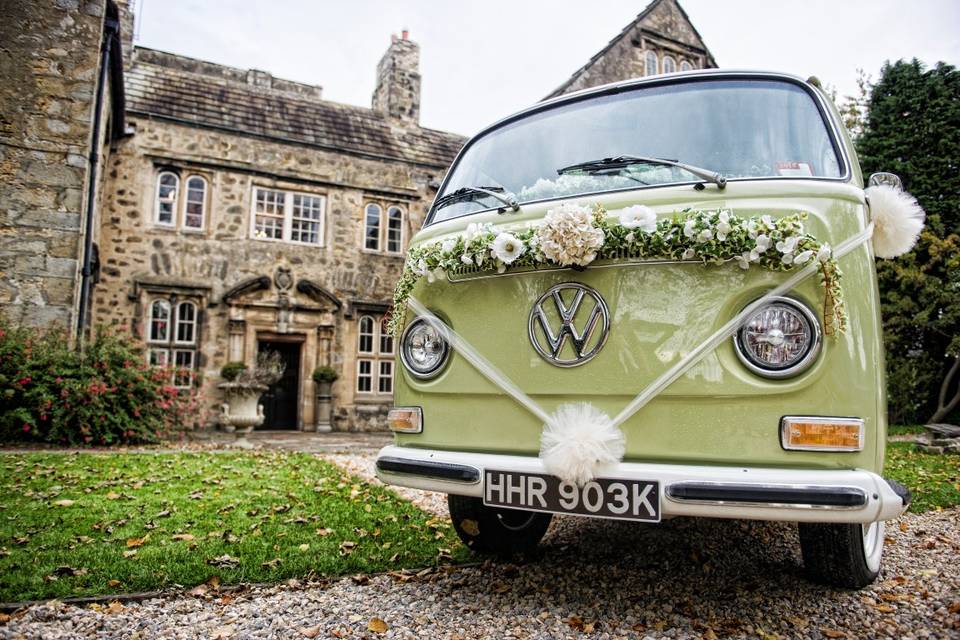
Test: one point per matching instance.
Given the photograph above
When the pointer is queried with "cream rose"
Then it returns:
(568, 236)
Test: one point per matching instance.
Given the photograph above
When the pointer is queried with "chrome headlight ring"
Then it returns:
(769, 331)
(424, 350)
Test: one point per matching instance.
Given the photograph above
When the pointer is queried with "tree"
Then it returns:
(912, 128)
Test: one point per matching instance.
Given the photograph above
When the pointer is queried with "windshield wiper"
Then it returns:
(619, 162)
(464, 194)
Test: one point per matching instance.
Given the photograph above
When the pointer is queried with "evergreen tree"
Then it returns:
(912, 128)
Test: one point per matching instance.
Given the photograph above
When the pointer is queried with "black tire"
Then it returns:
(842, 555)
(493, 530)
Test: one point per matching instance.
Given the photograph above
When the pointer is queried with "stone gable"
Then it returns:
(663, 30)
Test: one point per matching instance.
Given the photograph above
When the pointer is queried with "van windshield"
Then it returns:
(742, 128)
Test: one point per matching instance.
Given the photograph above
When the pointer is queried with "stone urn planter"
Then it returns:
(242, 410)
(242, 389)
(324, 377)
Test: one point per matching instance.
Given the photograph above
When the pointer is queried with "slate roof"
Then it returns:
(158, 85)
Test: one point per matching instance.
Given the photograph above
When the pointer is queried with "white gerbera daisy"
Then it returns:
(507, 247)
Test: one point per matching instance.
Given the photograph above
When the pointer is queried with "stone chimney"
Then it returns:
(125, 8)
(398, 81)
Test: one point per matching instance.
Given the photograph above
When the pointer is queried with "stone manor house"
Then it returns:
(217, 212)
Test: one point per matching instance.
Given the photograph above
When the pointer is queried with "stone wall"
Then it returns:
(48, 73)
(142, 261)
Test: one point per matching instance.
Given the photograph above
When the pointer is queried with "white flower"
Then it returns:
(803, 257)
(787, 258)
(501, 267)
(724, 215)
(751, 228)
(754, 255)
(639, 216)
(688, 254)
(688, 228)
(767, 220)
(788, 245)
(448, 245)
(630, 237)
(744, 259)
(705, 235)
(723, 228)
(568, 236)
(473, 230)
(824, 253)
(466, 259)
(420, 267)
(507, 247)
(763, 243)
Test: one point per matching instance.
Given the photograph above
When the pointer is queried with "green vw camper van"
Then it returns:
(652, 299)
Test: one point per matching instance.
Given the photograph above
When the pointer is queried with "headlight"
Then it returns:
(781, 339)
(423, 349)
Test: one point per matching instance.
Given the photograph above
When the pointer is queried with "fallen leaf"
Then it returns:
(470, 527)
(114, 607)
(69, 571)
(64, 503)
(137, 542)
(113, 495)
(129, 553)
(199, 590)
(304, 547)
(884, 608)
(575, 622)
(832, 633)
(225, 560)
(377, 625)
(347, 547)
(224, 632)
(4, 618)
(213, 582)
(324, 532)
(113, 583)
(271, 564)
(163, 514)
(182, 536)
(312, 632)
(954, 607)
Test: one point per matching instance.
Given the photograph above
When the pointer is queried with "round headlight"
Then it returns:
(780, 339)
(423, 349)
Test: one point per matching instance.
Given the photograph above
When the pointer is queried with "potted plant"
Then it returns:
(243, 387)
(324, 377)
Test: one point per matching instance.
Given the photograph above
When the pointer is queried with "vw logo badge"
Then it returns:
(569, 310)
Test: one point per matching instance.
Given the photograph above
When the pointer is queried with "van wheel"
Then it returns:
(495, 530)
(842, 555)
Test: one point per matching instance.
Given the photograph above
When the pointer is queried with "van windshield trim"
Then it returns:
(639, 84)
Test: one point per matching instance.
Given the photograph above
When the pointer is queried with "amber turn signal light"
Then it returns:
(801, 433)
(405, 419)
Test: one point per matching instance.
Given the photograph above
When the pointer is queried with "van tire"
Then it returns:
(493, 530)
(842, 555)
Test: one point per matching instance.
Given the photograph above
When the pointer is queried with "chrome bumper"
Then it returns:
(749, 493)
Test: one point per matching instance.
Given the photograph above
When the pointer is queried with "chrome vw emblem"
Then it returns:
(569, 310)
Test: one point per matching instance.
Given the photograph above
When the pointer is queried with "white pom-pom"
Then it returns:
(897, 220)
(578, 439)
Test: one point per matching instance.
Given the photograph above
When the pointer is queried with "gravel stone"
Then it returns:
(685, 578)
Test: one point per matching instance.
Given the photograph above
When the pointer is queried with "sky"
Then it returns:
(481, 61)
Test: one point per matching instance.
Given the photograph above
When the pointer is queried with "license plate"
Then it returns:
(600, 498)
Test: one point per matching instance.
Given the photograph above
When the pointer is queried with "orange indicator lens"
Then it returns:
(405, 419)
(822, 434)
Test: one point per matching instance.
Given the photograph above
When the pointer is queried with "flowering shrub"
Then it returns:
(573, 235)
(49, 392)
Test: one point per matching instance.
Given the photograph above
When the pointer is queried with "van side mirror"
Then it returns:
(889, 179)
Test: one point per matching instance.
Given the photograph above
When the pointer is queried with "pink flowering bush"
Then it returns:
(49, 392)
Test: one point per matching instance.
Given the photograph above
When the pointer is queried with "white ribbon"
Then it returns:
(498, 378)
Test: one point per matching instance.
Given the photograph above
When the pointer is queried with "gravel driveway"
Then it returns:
(686, 578)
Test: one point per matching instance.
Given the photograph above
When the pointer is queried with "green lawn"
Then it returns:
(933, 479)
(104, 523)
(84, 524)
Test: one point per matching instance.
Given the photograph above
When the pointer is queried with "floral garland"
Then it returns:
(574, 236)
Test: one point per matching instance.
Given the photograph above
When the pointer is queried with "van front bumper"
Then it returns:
(749, 493)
